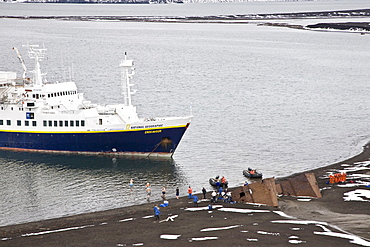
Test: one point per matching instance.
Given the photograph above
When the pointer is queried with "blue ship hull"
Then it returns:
(157, 141)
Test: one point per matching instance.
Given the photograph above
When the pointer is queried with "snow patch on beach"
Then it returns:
(203, 239)
(296, 229)
(203, 208)
(326, 231)
(282, 214)
(169, 236)
(304, 199)
(300, 222)
(244, 211)
(357, 195)
(219, 228)
(58, 230)
(296, 241)
(269, 233)
(353, 239)
(129, 219)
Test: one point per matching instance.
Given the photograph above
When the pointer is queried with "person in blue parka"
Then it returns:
(156, 212)
(195, 200)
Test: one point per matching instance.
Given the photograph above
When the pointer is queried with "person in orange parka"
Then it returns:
(190, 192)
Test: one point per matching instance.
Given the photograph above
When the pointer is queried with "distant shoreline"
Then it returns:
(237, 19)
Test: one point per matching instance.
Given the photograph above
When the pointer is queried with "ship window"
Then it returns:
(34, 123)
(1, 122)
(60, 123)
(66, 123)
(48, 95)
(82, 123)
(55, 123)
(50, 123)
(8, 122)
(77, 123)
(2, 108)
(37, 96)
(26, 123)
(19, 122)
(71, 123)
(100, 121)
(11, 108)
(45, 123)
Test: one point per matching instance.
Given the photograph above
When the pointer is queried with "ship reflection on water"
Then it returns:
(41, 186)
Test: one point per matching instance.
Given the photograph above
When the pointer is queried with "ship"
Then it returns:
(52, 116)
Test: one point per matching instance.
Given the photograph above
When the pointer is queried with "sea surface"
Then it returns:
(277, 99)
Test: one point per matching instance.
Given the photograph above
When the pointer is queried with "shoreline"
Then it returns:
(341, 25)
(235, 224)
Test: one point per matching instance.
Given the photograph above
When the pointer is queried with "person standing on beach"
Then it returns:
(204, 191)
(164, 193)
(131, 184)
(214, 194)
(148, 193)
(190, 192)
(177, 192)
(156, 212)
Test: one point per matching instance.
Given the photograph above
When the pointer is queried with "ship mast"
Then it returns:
(127, 74)
(36, 53)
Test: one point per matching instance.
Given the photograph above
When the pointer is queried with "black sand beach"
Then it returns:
(327, 221)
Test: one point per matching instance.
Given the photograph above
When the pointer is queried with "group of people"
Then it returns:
(221, 194)
(220, 182)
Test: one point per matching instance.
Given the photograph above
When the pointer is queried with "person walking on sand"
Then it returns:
(156, 212)
(204, 191)
(148, 193)
(177, 192)
(195, 200)
(190, 192)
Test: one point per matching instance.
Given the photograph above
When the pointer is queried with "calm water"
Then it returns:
(278, 99)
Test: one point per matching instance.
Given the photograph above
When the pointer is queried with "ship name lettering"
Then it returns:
(153, 131)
